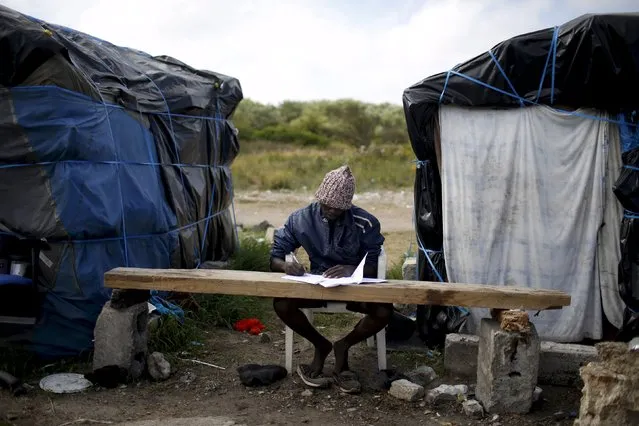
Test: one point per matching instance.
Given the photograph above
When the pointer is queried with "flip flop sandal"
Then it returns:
(347, 382)
(304, 371)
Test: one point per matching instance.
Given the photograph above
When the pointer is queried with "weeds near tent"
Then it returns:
(25, 365)
(205, 311)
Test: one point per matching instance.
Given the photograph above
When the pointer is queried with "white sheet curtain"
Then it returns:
(526, 193)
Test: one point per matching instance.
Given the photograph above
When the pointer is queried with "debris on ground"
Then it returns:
(261, 375)
(158, 367)
(265, 337)
(473, 408)
(406, 390)
(446, 393)
(249, 325)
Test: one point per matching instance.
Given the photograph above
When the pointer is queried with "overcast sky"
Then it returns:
(369, 50)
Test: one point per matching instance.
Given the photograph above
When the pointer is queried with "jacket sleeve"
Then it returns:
(284, 240)
(371, 242)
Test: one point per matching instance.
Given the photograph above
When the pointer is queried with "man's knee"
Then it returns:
(283, 305)
(382, 311)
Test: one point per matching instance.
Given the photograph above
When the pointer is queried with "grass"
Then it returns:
(269, 166)
(205, 311)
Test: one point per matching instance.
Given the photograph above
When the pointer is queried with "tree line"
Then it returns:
(321, 122)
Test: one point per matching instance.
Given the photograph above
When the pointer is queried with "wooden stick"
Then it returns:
(203, 363)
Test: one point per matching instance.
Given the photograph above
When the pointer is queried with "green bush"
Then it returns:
(287, 134)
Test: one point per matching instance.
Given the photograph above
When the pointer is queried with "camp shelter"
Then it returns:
(108, 157)
(527, 171)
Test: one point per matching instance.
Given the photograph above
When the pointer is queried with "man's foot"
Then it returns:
(347, 382)
(341, 356)
(310, 379)
(321, 353)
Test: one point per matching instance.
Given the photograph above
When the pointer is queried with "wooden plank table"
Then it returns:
(268, 284)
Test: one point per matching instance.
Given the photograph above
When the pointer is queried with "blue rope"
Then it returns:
(110, 105)
(130, 237)
(576, 114)
(441, 96)
(630, 215)
(206, 225)
(501, 70)
(427, 255)
(550, 52)
(115, 150)
(108, 162)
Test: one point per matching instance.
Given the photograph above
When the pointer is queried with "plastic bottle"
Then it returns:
(381, 264)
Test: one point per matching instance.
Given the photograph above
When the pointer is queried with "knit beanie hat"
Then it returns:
(337, 189)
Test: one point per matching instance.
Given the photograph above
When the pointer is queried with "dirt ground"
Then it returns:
(195, 390)
(393, 209)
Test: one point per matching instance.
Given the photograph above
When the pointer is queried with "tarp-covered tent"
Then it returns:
(519, 151)
(116, 158)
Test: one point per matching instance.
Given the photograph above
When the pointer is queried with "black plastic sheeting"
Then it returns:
(591, 61)
(116, 158)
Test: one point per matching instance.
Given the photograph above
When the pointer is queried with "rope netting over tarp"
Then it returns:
(116, 158)
(591, 62)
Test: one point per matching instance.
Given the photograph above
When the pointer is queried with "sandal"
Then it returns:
(304, 371)
(347, 382)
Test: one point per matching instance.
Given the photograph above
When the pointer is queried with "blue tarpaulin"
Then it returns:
(116, 158)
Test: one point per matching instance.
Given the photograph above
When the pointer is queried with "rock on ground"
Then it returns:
(422, 375)
(406, 390)
(473, 408)
(158, 367)
(445, 393)
(611, 387)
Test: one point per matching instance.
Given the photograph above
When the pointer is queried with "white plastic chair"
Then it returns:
(336, 307)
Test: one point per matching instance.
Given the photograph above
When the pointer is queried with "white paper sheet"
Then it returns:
(356, 278)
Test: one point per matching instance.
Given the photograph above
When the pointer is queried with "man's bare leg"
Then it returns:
(290, 312)
(377, 317)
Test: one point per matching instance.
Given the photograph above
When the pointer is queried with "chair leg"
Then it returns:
(381, 349)
(289, 350)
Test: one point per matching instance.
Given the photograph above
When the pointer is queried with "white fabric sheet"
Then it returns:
(525, 195)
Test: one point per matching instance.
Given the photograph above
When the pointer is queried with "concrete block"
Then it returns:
(460, 354)
(559, 363)
(409, 269)
(508, 364)
(121, 338)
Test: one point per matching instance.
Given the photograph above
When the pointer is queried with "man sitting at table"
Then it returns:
(336, 235)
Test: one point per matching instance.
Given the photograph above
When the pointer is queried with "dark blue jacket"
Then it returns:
(356, 233)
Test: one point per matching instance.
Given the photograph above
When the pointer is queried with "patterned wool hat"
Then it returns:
(337, 189)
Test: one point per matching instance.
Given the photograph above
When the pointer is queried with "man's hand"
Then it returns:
(339, 271)
(294, 268)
